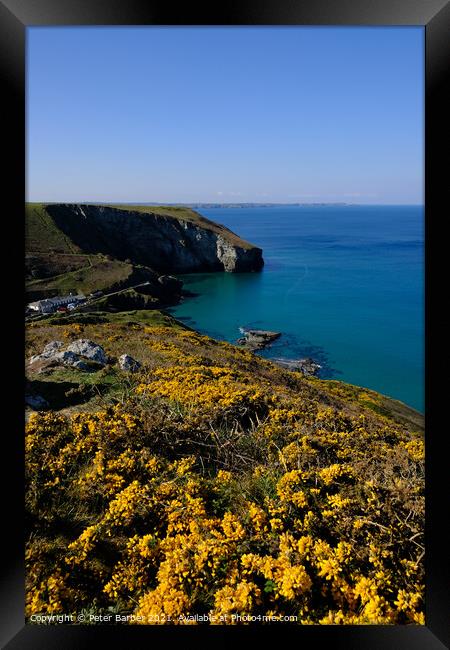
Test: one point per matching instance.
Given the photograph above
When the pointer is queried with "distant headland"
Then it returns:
(240, 205)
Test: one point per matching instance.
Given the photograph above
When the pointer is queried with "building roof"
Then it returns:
(47, 302)
(70, 298)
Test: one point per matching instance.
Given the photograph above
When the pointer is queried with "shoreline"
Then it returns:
(193, 325)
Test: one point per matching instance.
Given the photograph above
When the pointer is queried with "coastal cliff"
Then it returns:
(167, 240)
(80, 248)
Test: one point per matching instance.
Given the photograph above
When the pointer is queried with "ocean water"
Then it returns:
(344, 285)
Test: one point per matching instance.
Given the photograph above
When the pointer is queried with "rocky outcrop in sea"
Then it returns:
(257, 339)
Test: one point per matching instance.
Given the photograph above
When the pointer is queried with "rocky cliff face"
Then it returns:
(162, 242)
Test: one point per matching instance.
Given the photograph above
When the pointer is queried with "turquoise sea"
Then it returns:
(344, 284)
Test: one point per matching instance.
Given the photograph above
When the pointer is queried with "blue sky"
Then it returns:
(266, 114)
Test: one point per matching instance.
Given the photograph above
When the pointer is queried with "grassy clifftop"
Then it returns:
(82, 247)
(55, 265)
(189, 216)
(214, 483)
(43, 233)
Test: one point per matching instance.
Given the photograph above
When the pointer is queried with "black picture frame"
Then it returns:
(434, 16)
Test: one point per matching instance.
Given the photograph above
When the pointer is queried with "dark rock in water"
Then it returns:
(257, 339)
(187, 293)
(171, 283)
(307, 366)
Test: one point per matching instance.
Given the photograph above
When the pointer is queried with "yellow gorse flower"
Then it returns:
(215, 489)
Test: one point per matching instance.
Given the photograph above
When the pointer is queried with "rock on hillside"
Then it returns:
(82, 354)
(167, 240)
(128, 363)
(307, 366)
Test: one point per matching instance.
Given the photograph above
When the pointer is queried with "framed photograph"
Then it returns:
(232, 416)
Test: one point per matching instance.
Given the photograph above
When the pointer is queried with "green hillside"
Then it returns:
(66, 252)
(213, 482)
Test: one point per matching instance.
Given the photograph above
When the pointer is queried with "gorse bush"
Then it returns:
(223, 486)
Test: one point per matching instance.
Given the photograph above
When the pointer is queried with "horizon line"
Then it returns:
(224, 203)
